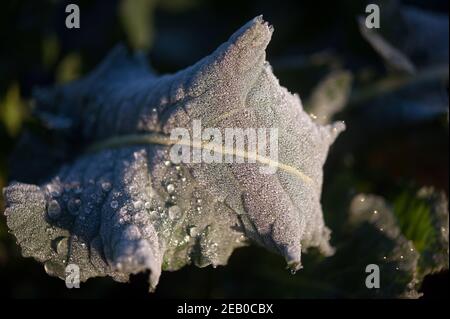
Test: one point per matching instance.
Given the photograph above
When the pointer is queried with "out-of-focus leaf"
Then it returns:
(50, 50)
(423, 41)
(69, 68)
(123, 207)
(426, 36)
(402, 100)
(330, 96)
(423, 218)
(12, 110)
(391, 55)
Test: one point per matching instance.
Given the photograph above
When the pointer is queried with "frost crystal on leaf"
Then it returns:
(123, 207)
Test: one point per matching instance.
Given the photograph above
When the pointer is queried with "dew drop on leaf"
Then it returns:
(53, 210)
(170, 188)
(62, 246)
(137, 204)
(114, 204)
(174, 212)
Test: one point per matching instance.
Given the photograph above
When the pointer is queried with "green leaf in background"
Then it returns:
(12, 110)
(423, 219)
(137, 19)
(69, 68)
(50, 50)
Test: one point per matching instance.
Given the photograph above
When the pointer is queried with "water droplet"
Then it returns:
(375, 212)
(183, 179)
(167, 163)
(53, 209)
(114, 204)
(240, 239)
(138, 204)
(136, 155)
(192, 231)
(170, 188)
(74, 206)
(148, 231)
(174, 212)
(106, 186)
(62, 247)
(147, 205)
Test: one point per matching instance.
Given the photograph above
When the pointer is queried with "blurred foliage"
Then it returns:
(12, 110)
(395, 146)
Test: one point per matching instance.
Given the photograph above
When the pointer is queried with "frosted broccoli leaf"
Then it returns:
(104, 214)
(415, 235)
(122, 207)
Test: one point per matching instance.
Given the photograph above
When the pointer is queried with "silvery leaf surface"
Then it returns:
(122, 206)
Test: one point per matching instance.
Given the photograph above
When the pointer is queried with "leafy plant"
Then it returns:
(122, 207)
